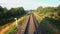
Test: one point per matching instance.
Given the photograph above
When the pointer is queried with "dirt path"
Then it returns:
(3, 31)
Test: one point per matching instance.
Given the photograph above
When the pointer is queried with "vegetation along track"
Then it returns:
(29, 26)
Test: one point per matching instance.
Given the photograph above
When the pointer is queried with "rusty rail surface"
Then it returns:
(29, 26)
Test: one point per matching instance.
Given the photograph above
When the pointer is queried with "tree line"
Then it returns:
(48, 9)
(55, 11)
(7, 16)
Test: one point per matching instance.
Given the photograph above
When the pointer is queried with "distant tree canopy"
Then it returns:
(6, 14)
(48, 9)
(54, 12)
(58, 8)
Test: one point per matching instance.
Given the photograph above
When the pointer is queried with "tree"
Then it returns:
(1, 12)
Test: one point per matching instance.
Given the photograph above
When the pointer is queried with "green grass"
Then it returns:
(48, 30)
(55, 23)
(13, 29)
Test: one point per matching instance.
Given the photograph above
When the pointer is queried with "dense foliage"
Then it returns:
(51, 15)
(48, 9)
(7, 16)
(53, 11)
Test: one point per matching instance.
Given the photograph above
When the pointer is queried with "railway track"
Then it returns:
(29, 26)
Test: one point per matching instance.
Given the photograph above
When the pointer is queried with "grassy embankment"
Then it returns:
(40, 21)
(9, 26)
(52, 18)
(13, 29)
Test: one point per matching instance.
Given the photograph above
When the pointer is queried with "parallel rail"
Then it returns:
(29, 26)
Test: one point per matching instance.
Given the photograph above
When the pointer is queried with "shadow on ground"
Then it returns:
(44, 29)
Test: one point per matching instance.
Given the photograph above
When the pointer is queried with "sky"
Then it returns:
(28, 4)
